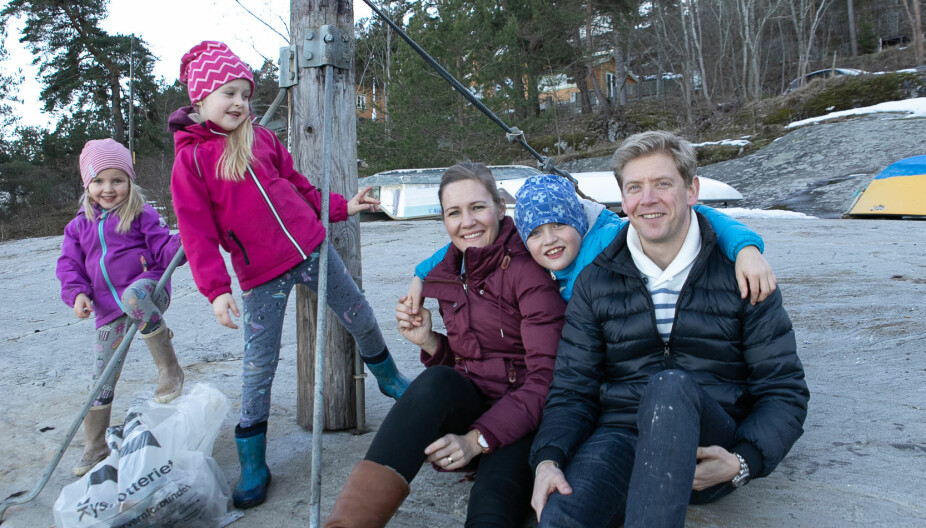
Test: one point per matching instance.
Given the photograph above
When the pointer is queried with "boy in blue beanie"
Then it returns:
(565, 233)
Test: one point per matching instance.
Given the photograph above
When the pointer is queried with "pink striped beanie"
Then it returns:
(101, 154)
(209, 65)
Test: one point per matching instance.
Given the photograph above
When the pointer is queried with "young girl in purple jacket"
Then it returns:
(113, 254)
(234, 187)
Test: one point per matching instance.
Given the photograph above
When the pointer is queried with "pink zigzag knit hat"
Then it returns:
(208, 65)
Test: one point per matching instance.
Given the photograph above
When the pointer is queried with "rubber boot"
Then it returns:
(255, 475)
(170, 375)
(371, 496)
(95, 448)
(391, 382)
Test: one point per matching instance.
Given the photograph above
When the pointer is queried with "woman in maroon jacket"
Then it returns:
(479, 401)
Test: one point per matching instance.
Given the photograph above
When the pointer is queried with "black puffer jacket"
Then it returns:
(743, 356)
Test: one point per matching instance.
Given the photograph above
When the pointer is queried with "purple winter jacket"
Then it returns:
(503, 325)
(101, 262)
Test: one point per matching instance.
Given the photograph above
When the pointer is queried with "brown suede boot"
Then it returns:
(170, 375)
(370, 497)
(95, 448)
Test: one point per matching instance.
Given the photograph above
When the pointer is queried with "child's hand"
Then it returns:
(361, 202)
(82, 306)
(416, 328)
(221, 306)
(754, 275)
(413, 298)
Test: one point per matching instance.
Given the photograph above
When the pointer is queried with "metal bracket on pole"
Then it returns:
(289, 70)
(326, 46)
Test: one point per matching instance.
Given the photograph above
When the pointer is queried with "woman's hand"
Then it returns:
(416, 327)
(453, 451)
(754, 275)
(362, 202)
(715, 466)
(221, 306)
(82, 306)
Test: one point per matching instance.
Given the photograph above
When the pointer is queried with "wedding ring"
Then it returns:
(449, 460)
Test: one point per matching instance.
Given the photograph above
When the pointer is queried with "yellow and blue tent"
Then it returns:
(898, 191)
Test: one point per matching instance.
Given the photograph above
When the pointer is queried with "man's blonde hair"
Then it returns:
(646, 143)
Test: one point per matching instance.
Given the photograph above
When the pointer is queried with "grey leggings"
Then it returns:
(141, 309)
(264, 308)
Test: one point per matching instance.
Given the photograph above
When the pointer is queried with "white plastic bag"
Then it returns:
(160, 471)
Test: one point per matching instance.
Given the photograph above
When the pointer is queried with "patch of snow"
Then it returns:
(740, 212)
(912, 107)
(726, 142)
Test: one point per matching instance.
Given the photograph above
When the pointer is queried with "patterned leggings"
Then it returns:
(142, 310)
(264, 307)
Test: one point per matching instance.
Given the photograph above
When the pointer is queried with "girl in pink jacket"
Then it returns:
(234, 187)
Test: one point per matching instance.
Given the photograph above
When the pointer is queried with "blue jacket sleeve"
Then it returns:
(732, 236)
(426, 265)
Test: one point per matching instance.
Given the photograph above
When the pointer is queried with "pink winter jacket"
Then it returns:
(268, 222)
(503, 319)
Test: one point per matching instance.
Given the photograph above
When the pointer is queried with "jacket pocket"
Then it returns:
(244, 252)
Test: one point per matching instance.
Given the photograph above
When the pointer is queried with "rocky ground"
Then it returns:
(854, 290)
(816, 169)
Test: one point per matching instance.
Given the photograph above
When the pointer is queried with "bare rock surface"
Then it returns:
(816, 169)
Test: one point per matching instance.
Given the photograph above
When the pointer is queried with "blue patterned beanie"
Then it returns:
(546, 199)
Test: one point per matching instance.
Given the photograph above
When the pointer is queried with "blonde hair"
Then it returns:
(654, 141)
(238, 153)
(127, 211)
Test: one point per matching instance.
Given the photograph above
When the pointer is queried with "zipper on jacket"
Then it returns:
(275, 214)
(244, 252)
(109, 283)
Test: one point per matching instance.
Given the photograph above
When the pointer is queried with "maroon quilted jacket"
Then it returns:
(503, 319)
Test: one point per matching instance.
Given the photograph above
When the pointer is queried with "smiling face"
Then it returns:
(227, 106)
(471, 217)
(554, 246)
(109, 188)
(658, 203)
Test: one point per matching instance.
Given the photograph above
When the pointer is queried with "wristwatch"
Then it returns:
(742, 477)
(482, 441)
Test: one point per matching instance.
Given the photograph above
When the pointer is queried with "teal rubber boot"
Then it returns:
(391, 382)
(255, 475)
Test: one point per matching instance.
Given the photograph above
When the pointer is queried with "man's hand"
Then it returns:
(362, 202)
(548, 479)
(754, 275)
(715, 466)
(82, 306)
(416, 328)
(453, 451)
(221, 306)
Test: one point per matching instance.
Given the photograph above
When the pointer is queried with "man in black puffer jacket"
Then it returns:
(670, 388)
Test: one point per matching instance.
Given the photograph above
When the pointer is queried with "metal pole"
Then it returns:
(110, 367)
(318, 417)
(273, 107)
(132, 101)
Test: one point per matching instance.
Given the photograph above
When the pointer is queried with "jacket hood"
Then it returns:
(180, 119)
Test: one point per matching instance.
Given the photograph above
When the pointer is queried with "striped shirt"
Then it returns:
(665, 285)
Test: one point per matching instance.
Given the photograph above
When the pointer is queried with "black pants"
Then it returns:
(441, 401)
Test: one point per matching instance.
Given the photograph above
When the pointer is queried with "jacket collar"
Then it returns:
(480, 262)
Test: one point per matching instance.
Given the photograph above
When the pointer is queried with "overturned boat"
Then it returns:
(412, 193)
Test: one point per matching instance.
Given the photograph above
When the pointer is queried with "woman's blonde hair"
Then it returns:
(127, 211)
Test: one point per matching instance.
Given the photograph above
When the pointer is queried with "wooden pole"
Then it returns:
(307, 142)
